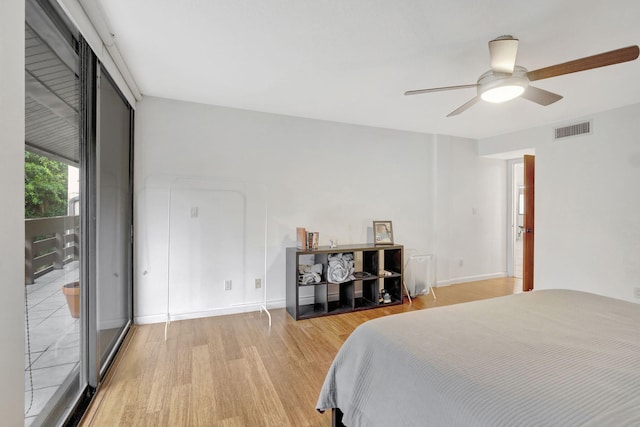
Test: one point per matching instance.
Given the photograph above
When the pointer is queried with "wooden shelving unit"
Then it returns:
(322, 298)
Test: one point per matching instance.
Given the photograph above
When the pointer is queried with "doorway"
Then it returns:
(517, 218)
(515, 215)
(520, 202)
(529, 221)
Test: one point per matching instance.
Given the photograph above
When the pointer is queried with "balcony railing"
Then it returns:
(49, 243)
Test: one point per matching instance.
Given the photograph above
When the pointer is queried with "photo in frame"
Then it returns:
(382, 233)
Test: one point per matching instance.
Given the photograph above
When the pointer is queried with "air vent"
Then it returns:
(573, 130)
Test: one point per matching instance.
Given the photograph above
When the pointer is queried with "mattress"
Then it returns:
(542, 358)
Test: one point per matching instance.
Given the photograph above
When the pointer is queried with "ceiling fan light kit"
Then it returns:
(506, 80)
(501, 87)
(502, 93)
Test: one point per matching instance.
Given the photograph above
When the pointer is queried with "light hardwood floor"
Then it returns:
(235, 371)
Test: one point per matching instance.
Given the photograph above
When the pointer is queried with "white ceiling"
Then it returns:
(351, 60)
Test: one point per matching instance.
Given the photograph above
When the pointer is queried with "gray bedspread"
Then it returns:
(544, 358)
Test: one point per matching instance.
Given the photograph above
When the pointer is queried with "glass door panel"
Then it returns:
(114, 217)
(53, 166)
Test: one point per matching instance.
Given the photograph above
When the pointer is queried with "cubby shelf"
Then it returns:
(322, 298)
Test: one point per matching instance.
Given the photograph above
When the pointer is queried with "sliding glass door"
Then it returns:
(114, 217)
(78, 218)
(54, 254)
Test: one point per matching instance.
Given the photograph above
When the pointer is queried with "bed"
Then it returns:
(542, 358)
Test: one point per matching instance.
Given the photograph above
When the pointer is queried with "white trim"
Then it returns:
(466, 279)
(435, 220)
(12, 109)
(511, 225)
(235, 309)
(263, 305)
(100, 24)
(118, 71)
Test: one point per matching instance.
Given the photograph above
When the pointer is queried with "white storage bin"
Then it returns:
(420, 274)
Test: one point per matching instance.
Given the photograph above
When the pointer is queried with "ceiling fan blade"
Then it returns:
(464, 106)
(540, 96)
(438, 89)
(503, 51)
(596, 61)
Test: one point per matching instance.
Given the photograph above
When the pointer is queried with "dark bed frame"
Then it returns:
(336, 418)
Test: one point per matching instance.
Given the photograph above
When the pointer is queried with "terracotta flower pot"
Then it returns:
(72, 292)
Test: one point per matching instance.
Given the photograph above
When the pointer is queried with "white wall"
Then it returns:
(328, 177)
(12, 224)
(587, 202)
(471, 212)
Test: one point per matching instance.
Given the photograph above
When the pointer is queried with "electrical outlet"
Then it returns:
(460, 262)
(227, 285)
(636, 292)
(258, 283)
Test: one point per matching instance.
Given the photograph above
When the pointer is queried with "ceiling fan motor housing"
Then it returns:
(506, 81)
(500, 87)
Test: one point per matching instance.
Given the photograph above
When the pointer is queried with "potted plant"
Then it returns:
(71, 292)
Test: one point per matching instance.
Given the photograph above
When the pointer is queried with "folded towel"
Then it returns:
(341, 268)
(309, 273)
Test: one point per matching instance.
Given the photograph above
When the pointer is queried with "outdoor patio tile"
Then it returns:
(63, 319)
(51, 331)
(49, 304)
(34, 356)
(51, 289)
(35, 316)
(36, 286)
(63, 312)
(38, 321)
(57, 356)
(54, 337)
(48, 377)
(40, 398)
(36, 298)
(69, 340)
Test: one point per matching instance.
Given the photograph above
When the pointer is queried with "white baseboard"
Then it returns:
(234, 309)
(466, 279)
(280, 303)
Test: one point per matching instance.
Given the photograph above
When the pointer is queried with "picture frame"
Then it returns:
(382, 233)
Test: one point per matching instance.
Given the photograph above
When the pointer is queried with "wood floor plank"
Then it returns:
(202, 405)
(236, 371)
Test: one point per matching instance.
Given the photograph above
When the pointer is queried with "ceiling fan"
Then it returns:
(506, 80)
